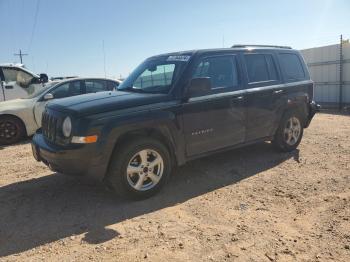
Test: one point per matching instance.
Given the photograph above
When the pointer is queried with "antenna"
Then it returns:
(104, 57)
(20, 54)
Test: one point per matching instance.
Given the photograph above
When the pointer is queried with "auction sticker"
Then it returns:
(182, 58)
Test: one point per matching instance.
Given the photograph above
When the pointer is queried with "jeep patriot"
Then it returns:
(177, 107)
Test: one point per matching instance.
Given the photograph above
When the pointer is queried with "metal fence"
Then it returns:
(329, 67)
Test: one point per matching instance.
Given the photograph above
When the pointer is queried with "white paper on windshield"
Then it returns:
(182, 58)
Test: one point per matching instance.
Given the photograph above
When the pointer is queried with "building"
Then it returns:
(330, 70)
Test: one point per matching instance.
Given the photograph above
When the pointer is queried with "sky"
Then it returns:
(111, 37)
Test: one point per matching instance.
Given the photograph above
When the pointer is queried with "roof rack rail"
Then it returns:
(273, 46)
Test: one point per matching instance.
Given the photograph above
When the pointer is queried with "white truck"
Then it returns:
(18, 82)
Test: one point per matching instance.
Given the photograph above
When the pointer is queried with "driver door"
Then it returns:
(215, 120)
(72, 88)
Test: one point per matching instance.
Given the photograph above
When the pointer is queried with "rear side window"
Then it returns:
(93, 86)
(112, 85)
(292, 67)
(261, 68)
(222, 71)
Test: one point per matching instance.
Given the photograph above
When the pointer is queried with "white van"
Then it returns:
(18, 82)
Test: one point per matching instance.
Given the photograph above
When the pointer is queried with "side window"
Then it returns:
(67, 89)
(292, 67)
(15, 75)
(10, 74)
(112, 85)
(222, 71)
(260, 68)
(93, 86)
(272, 67)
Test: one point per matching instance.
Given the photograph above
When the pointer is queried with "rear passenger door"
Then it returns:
(264, 91)
(215, 120)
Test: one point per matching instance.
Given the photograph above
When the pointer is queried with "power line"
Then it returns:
(20, 54)
(34, 25)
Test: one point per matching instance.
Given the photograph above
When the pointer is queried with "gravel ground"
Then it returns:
(250, 204)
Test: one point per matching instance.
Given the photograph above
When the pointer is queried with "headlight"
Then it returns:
(67, 127)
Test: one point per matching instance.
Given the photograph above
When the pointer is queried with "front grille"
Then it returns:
(49, 124)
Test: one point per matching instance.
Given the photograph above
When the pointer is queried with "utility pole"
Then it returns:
(20, 54)
(341, 73)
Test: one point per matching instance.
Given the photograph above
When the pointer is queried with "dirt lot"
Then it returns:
(251, 204)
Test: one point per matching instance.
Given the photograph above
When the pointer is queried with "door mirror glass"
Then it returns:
(48, 96)
(199, 87)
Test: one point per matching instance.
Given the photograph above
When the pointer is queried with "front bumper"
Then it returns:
(81, 160)
(313, 109)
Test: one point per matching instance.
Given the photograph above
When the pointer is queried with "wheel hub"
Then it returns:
(292, 131)
(145, 170)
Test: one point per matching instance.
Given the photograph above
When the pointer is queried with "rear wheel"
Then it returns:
(290, 132)
(139, 169)
(12, 130)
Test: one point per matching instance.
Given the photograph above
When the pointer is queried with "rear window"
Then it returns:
(292, 67)
(261, 68)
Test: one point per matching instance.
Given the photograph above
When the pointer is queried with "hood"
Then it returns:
(16, 104)
(101, 102)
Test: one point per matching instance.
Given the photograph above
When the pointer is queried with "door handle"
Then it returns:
(9, 87)
(238, 98)
(278, 91)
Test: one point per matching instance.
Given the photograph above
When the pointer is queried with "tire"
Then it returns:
(290, 131)
(127, 167)
(12, 130)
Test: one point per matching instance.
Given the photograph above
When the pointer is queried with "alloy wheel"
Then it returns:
(145, 170)
(292, 131)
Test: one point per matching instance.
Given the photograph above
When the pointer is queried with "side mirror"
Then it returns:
(44, 78)
(48, 96)
(199, 86)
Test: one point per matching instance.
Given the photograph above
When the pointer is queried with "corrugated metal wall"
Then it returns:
(324, 66)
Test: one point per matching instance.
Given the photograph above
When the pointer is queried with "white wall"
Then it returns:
(324, 66)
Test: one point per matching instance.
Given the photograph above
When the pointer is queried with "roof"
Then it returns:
(87, 78)
(13, 64)
(233, 48)
(21, 66)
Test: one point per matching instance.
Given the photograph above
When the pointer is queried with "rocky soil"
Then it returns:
(250, 204)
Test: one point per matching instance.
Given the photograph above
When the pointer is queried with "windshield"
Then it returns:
(42, 90)
(155, 75)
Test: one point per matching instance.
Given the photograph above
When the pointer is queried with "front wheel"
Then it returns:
(290, 132)
(139, 169)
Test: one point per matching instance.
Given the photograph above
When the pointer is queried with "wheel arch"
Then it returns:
(159, 133)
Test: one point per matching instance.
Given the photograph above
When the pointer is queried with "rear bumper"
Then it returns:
(83, 160)
(313, 109)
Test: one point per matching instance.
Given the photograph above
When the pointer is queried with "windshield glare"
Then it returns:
(154, 75)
